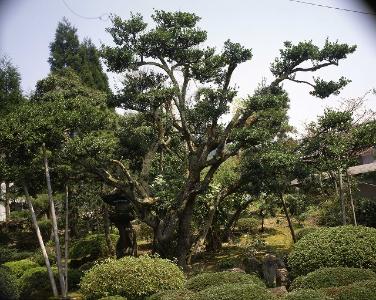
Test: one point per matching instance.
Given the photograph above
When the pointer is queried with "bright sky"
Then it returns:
(27, 27)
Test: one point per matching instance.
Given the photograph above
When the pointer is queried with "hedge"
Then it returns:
(205, 280)
(332, 277)
(130, 277)
(361, 290)
(307, 295)
(19, 267)
(8, 285)
(346, 246)
(232, 291)
(304, 231)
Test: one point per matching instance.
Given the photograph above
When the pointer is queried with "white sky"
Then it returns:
(27, 27)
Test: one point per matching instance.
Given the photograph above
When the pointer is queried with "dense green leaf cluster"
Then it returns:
(346, 246)
(133, 278)
(361, 290)
(307, 295)
(8, 285)
(205, 280)
(332, 277)
(19, 267)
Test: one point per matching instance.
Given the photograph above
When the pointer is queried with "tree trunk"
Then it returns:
(106, 223)
(233, 219)
(288, 218)
(66, 243)
(41, 243)
(341, 197)
(351, 200)
(7, 201)
(54, 224)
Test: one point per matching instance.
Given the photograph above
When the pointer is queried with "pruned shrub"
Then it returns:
(35, 283)
(89, 249)
(113, 298)
(346, 246)
(361, 290)
(19, 267)
(247, 224)
(182, 294)
(130, 277)
(8, 285)
(233, 291)
(8, 254)
(206, 280)
(332, 277)
(307, 295)
(305, 231)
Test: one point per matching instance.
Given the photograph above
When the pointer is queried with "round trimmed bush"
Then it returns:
(130, 277)
(231, 291)
(8, 285)
(361, 290)
(90, 249)
(306, 295)
(35, 283)
(182, 294)
(20, 266)
(113, 298)
(205, 280)
(332, 277)
(346, 246)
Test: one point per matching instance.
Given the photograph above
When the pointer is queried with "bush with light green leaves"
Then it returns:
(206, 280)
(346, 246)
(131, 277)
(8, 285)
(361, 290)
(332, 277)
(19, 267)
(247, 224)
(235, 291)
(182, 294)
(307, 295)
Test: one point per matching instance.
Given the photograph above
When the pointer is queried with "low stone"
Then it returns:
(269, 270)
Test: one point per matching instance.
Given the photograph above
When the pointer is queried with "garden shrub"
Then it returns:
(182, 294)
(8, 254)
(233, 291)
(307, 295)
(332, 277)
(35, 283)
(8, 285)
(37, 256)
(90, 249)
(205, 280)
(361, 290)
(19, 267)
(130, 277)
(45, 227)
(247, 224)
(346, 246)
(113, 298)
(305, 231)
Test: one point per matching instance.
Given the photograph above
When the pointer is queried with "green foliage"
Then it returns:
(346, 246)
(306, 295)
(35, 283)
(249, 225)
(8, 285)
(235, 291)
(331, 277)
(8, 254)
(182, 294)
(90, 248)
(205, 280)
(362, 290)
(20, 266)
(113, 298)
(133, 278)
(304, 231)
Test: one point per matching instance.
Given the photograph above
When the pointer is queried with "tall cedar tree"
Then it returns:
(67, 51)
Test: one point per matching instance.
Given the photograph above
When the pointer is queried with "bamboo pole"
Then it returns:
(66, 243)
(351, 200)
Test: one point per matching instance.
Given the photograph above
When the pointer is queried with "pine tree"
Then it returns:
(67, 51)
